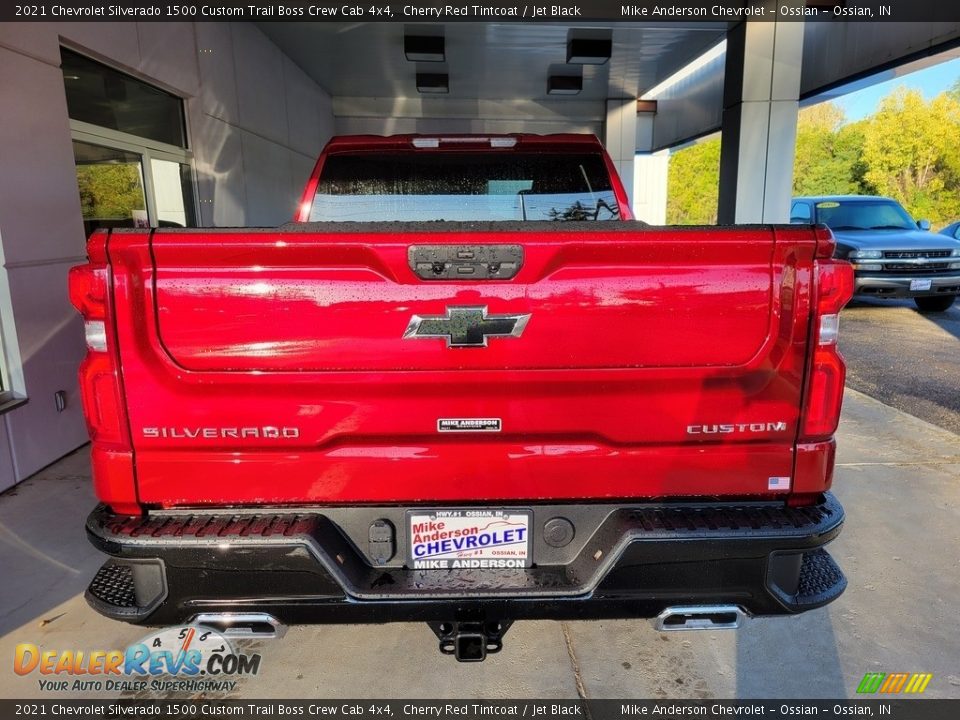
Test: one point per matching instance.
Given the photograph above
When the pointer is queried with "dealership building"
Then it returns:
(220, 123)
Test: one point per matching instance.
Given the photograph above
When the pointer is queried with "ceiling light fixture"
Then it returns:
(433, 83)
(588, 51)
(424, 48)
(564, 84)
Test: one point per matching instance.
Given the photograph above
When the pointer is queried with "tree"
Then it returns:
(110, 190)
(954, 90)
(910, 153)
(827, 160)
(693, 182)
(909, 150)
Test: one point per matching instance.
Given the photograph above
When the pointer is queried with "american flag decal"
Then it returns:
(778, 483)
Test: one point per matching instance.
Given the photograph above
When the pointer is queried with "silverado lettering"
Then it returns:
(266, 435)
(221, 432)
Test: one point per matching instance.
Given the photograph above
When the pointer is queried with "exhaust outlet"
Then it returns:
(699, 617)
(243, 625)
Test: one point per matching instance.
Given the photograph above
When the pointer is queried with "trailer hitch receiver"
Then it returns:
(470, 641)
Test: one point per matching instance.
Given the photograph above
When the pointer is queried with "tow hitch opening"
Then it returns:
(470, 641)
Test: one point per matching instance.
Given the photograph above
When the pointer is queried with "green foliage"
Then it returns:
(693, 184)
(909, 150)
(109, 190)
(954, 91)
(828, 153)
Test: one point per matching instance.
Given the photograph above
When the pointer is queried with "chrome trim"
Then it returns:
(901, 261)
(921, 260)
(698, 617)
(242, 625)
(898, 280)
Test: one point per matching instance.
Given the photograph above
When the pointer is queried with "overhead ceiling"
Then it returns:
(489, 60)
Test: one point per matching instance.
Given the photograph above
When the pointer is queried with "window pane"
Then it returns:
(800, 213)
(173, 191)
(864, 215)
(102, 96)
(111, 187)
(464, 186)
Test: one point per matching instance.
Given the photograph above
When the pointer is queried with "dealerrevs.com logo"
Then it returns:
(894, 683)
(191, 658)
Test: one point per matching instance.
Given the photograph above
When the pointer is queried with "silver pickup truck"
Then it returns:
(893, 255)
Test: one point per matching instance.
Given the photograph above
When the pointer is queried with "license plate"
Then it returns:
(468, 538)
(920, 284)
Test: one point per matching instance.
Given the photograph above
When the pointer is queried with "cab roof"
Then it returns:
(455, 141)
(844, 198)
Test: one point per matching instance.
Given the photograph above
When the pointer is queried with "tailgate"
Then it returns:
(326, 364)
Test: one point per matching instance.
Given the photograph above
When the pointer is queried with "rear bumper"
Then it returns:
(888, 285)
(315, 565)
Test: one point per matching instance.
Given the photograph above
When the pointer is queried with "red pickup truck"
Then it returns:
(462, 387)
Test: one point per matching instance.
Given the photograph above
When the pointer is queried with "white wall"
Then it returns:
(620, 138)
(256, 123)
(650, 173)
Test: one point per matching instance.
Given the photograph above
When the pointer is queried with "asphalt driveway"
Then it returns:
(904, 359)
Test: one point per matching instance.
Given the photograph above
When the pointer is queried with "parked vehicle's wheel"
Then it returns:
(934, 304)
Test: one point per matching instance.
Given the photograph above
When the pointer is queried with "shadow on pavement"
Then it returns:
(46, 557)
(792, 657)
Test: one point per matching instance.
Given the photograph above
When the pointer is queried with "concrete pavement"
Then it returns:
(897, 476)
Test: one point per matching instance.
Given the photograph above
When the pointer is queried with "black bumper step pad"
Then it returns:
(732, 518)
(821, 580)
(128, 589)
(209, 526)
(113, 585)
(658, 520)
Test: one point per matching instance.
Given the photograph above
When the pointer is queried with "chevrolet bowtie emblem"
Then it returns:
(465, 326)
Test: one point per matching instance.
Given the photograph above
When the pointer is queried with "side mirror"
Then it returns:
(923, 224)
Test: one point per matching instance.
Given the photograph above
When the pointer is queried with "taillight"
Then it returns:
(100, 388)
(833, 287)
(88, 290)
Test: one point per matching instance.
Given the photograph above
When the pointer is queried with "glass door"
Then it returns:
(123, 184)
(172, 192)
(111, 187)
